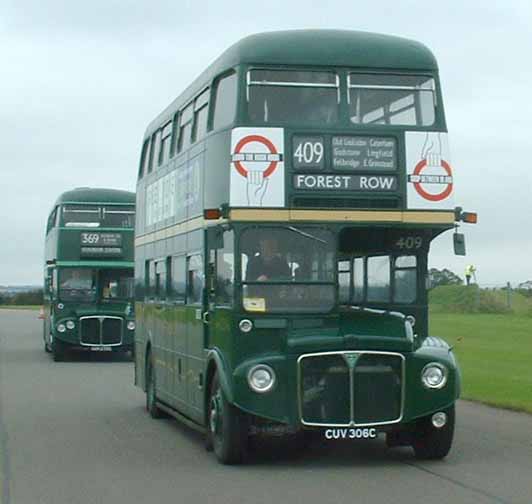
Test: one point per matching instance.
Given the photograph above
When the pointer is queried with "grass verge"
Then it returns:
(20, 307)
(495, 356)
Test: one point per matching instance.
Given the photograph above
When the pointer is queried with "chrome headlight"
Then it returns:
(261, 378)
(434, 375)
(70, 324)
(61, 328)
(131, 325)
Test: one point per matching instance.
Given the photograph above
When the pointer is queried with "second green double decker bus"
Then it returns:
(88, 274)
(286, 203)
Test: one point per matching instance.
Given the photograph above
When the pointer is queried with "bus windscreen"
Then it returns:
(400, 100)
(288, 269)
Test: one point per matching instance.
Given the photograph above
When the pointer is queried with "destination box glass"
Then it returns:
(371, 183)
(364, 153)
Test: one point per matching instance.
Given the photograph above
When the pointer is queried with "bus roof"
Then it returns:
(338, 48)
(96, 195)
(343, 48)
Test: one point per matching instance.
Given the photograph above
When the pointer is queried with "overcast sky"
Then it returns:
(81, 80)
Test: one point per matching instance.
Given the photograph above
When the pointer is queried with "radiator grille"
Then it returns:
(101, 330)
(351, 388)
(90, 331)
(111, 331)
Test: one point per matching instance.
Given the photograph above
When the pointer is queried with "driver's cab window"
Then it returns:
(77, 279)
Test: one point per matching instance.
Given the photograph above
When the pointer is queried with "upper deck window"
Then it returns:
(166, 136)
(92, 216)
(401, 100)
(224, 101)
(185, 127)
(81, 216)
(118, 216)
(289, 96)
(201, 114)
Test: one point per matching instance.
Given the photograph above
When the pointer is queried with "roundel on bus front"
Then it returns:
(423, 181)
(255, 149)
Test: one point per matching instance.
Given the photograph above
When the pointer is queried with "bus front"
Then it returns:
(340, 179)
(90, 279)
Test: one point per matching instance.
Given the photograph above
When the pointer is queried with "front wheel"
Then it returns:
(59, 351)
(433, 443)
(227, 427)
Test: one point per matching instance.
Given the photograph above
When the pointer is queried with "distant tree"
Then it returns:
(443, 277)
(34, 297)
(3, 299)
(525, 288)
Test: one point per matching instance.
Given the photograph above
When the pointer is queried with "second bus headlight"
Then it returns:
(70, 324)
(434, 375)
(131, 325)
(61, 328)
(261, 378)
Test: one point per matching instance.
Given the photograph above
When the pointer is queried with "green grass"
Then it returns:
(495, 356)
(471, 299)
(20, 307)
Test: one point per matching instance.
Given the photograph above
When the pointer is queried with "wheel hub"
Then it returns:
(215, 413)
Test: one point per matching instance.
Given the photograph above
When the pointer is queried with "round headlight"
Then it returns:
(131, 325)
(245, 325)
(261, 378)
(434, 376)
(70, 324)
(61, 328)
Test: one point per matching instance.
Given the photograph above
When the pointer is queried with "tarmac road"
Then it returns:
(77, 432)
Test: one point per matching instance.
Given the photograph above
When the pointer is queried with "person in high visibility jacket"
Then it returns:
(469, 272)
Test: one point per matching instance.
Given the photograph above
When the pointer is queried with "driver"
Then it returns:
(269, 264)
(76, 281)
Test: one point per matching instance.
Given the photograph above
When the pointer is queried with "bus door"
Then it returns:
(195, 314)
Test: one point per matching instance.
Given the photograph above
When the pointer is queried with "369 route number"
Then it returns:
(90, 238)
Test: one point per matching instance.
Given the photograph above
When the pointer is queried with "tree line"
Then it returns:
(33, 297)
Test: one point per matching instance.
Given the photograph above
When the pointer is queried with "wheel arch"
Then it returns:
(215, 364)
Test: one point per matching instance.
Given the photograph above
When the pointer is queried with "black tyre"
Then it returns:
(47, 348)
(151, 396)
(59, 351)
(432, 443)
(227, 426)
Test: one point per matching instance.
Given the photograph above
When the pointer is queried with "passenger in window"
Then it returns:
(268, 264)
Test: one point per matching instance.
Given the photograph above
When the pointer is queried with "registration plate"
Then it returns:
(350, 433)
(101, 349)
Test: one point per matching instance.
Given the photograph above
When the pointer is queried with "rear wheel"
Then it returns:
(433, 443)
(151, 396)
(227, 427)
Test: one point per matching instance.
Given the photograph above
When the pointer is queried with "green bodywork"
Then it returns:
(192, 342)
(63, 251)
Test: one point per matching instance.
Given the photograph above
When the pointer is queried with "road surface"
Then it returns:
(77, 432)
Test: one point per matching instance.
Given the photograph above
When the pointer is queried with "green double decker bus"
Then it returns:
(88, 273)
(286, 203)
